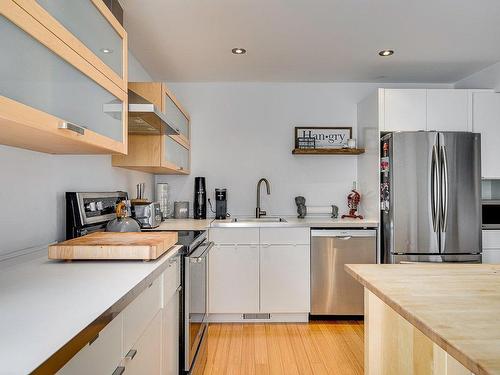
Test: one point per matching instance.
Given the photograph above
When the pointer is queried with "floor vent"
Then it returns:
(256, 316)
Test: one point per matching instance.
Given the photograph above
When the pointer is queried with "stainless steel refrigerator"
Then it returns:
(431, 197)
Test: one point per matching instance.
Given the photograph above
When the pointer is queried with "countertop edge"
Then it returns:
(452, 350)
(64, 354)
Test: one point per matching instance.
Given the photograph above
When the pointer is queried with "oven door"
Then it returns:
(196, 302)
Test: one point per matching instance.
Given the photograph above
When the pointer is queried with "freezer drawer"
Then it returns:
(333, 290)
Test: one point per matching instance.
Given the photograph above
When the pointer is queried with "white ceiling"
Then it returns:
(314, 40)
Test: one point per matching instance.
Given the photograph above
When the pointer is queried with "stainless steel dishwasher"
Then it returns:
(333, 290)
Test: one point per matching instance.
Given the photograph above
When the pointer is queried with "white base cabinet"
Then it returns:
(170, 334)
(284, 278)
(491, 246)
(259, 270)
(143, 338)
(101, 356)
(145, 357)
(234, 278)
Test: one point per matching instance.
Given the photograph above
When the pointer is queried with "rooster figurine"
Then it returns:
(353, 200)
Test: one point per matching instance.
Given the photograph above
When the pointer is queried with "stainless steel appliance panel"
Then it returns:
(437, 258)
(333, 290)
(460, 208)
(196, 302)
(414, 183)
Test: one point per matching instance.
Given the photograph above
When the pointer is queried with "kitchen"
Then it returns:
(237, 114)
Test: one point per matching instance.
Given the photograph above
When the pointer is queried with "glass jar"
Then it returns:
(163, 198)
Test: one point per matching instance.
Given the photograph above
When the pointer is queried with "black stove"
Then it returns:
(191, 239)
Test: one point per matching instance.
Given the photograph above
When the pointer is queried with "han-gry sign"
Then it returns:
(324, 137)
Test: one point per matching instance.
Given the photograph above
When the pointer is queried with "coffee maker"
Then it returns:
(220, 204)
(200, 198)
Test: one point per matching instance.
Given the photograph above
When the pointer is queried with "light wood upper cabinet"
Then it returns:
(52, 98)
(486, 120)
(159, 153)
(90, 29)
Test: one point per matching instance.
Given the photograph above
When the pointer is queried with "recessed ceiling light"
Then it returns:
(106, 50)
(239, 51)
(386, 52)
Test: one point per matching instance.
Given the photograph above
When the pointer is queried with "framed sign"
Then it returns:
(322, 137)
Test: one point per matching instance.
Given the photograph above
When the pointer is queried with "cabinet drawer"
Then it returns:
(145, 357)
(89, 28)
(171, 278)
(41, 88)
(241, 236)
(175, 153)
(101, 356)
(491, 239)
(139, 314)
(292, 236)
(491, 256)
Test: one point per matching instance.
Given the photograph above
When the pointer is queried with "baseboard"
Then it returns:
(273, 318)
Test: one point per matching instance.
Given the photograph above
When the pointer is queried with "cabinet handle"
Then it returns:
(74, 128)
(119, 370)
(181, 168)
(131, 354)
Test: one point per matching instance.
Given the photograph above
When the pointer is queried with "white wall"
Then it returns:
(33, 185)
(244, 131)
(488, 78)
(136, 72)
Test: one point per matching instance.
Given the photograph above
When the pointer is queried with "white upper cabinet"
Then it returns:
(405, 109)
(447, 110)
(424, 109)
(486, 120)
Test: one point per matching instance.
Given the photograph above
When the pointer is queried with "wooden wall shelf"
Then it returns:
(328, 151)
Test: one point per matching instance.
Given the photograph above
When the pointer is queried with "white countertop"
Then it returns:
(184, 224)
(291, 221)
(44, 304)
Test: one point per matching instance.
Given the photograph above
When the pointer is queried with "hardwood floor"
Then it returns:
(318, 347)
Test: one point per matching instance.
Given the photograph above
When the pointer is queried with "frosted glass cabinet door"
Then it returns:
(33, 75)
(176, 154)
(176, 117)
(86, 22)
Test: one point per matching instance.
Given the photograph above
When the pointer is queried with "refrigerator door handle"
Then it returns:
(444, 188)
(435, 189)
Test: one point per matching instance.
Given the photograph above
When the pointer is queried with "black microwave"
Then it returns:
(491, 214)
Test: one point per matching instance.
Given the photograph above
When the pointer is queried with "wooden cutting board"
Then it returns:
(112, 245)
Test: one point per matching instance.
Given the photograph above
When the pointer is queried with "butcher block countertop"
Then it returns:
(46, 303)
(115, 245)
(456, 306)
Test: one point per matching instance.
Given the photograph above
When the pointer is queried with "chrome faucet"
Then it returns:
(258, 211)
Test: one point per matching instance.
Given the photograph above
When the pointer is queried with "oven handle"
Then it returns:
(198, 259)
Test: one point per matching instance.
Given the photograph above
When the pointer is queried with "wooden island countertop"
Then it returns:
(455, 306)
